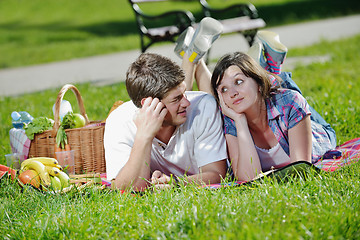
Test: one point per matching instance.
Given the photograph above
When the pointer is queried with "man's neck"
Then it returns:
(165, 133)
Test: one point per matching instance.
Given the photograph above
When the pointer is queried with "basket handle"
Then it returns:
(60, 97)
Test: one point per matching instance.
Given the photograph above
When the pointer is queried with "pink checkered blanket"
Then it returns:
(343, 155)
(19, 142)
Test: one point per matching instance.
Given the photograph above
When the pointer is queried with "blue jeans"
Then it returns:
(315, 116)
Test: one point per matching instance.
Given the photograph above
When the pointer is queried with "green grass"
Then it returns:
(33, 32)
(325, 206)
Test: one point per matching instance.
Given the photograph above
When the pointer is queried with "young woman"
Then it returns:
(266, 125)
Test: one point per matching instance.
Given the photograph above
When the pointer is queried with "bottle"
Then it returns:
(20, 118)
(65, 107)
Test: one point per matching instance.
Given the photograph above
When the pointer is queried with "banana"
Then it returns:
(40, 169)
(55, 183)
(53, 171)
(59, 167)
(44, 160)
(23, 169)
(64, 179)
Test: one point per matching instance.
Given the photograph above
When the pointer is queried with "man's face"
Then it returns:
(176, 104)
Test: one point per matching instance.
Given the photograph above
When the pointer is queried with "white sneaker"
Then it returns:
(272, 40)
(256, 51)
(183, 41)
(274, 51)
(208, 30)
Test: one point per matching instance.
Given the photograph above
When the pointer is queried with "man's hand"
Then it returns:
(160, 181)
(150, 117)
(148, 121)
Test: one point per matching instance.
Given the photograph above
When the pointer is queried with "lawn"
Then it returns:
(37, 31)
(320, 206)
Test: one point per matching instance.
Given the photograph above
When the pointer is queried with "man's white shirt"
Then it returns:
(195, 143)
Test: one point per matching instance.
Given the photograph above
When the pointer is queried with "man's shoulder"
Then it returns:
(123, 113)
(202, 105)
(198, 97)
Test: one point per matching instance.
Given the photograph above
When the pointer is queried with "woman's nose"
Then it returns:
(233, 92)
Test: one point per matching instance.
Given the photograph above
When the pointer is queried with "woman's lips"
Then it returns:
(237, 101)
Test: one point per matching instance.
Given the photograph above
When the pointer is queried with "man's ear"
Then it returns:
(142, 101)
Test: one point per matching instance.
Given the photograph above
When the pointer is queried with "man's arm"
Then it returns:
(136, 171)
(209, 174)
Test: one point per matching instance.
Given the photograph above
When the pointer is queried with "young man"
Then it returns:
(164, 130)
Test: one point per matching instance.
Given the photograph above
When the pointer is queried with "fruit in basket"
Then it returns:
(43, 166)
(53, 171)
(73, 120)
(79, 120)
(11, 172)
(70, 120)
(44, 160)
(44, 173)
(40, 169)
(55, 183)
(30, 177)
(64, 179)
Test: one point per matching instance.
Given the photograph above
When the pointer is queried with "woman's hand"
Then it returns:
(226, 110)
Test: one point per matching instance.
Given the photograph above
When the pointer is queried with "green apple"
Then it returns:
(79, 120)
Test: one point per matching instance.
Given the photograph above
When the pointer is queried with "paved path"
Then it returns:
(107, 69)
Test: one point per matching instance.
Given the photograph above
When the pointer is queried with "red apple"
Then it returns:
(30, 177)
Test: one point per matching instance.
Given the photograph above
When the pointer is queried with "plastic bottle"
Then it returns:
(20, 118)
(65, 107)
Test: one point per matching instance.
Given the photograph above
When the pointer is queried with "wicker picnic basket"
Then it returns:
(87, 142)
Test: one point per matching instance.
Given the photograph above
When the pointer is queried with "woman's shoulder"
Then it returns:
(286, 96)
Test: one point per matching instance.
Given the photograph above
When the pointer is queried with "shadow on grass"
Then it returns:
(278, 14)
(274, 14)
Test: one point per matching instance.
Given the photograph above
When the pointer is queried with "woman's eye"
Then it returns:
(224, 89)
(238, 82)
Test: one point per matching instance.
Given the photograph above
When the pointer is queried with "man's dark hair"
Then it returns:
(152, 75)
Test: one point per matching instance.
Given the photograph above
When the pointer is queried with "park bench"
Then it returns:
(159, 28)
(242, 18)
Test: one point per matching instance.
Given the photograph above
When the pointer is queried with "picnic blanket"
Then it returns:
(342, 155)
(19, 142)
(345, 154)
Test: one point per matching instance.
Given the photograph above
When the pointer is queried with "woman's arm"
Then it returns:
(243, 156)
(203, 77)
(300, 141)
(189, 69)
(199, 71)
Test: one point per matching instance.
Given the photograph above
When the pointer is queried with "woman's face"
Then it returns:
(239, 92)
